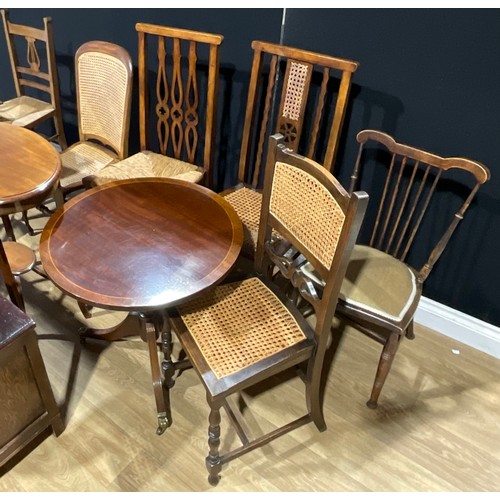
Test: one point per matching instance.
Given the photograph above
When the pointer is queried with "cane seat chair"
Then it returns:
(242, 333)
(185, 115)
(291, 93)
(35, 78)
(15, 260)
(103, 73)
(385, 276)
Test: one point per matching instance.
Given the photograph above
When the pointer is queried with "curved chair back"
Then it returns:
(104, 89)
(412, 176)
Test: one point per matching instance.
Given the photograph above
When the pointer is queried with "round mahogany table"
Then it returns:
(29, 170)
(142, 245)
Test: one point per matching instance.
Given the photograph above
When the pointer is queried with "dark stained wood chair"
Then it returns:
(384, 281)
(27, 404)
(185, 105)
(299, 94)
(15, 260)
(35, 78)
(242, 333)
(103, 73)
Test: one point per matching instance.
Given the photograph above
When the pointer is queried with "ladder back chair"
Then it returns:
(242, 333)
(103, 73)
(185, 65)
(292, 92)
(35, 78)
(384, 279)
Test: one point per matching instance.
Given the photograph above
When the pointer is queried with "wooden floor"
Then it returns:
(437, 427)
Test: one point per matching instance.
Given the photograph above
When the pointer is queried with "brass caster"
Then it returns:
(82, 334)
(163, 424)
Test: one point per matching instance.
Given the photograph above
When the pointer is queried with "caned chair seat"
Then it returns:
(25, 110)
(247, 204)
(81, 160)
(237, 325)
(149, 164)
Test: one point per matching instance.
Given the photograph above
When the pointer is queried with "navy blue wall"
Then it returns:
(429, 77)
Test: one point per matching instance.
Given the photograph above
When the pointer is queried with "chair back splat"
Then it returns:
(186, 63)
(242, 333)
(299, 94)
(33, 62)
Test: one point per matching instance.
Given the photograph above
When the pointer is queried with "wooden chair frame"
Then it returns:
(399, 215)
(288, 254)
(31, 76)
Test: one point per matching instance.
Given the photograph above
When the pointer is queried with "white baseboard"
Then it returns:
(459, 326)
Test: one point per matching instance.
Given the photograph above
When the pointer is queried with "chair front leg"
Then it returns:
(213, 461)
(386, 358)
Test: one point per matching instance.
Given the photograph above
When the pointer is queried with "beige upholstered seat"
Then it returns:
(103, 74)
(246, 332)
(377, 283)
(384, 279)
(34, 70)
(183, 147)
(149, 164)
(304, 88)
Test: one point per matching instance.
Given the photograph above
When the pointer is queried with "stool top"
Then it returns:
(13, 322)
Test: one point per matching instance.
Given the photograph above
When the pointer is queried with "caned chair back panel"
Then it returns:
(317, 220)
(412, 176)
(104, 86)
(304, 86)
(32, 58)
(185, 68)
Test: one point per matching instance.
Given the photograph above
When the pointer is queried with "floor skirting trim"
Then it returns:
(459, 326)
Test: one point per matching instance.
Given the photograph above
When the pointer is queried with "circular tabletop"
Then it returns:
(141, 244)
(29, 167)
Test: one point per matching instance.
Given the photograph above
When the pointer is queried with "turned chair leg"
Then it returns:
(384, 365)
(410, 334)
(8, 227)
(26, 221)
(213, 461)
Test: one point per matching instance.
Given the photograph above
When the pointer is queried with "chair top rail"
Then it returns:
(312, 57)
(480, 171)
(183, 34)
